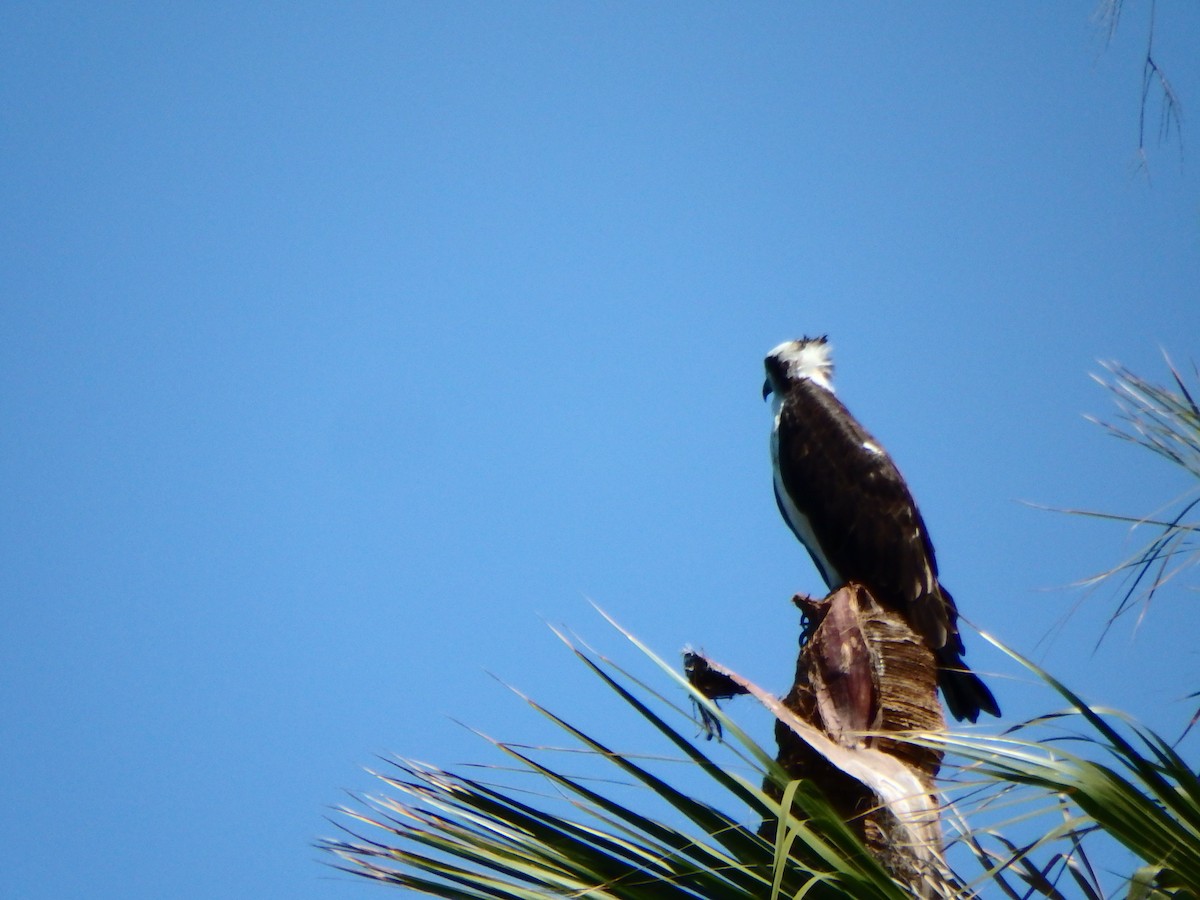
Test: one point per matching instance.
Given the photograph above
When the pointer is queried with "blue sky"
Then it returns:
(345, 345)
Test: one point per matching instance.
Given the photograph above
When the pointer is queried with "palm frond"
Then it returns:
(1163, 419)
(449, 835)
(1118, 781)
(1108, 15)
(1166, 421)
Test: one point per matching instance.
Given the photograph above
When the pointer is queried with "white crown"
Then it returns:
(810, 358)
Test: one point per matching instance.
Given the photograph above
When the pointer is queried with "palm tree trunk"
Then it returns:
(863, 675)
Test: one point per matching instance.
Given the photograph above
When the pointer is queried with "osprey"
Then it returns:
(846, 501)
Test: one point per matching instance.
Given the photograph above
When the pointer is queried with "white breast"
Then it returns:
(796, 519)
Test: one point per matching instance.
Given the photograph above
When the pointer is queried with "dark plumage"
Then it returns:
(846, 501)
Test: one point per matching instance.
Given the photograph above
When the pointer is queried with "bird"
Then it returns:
(845, 500)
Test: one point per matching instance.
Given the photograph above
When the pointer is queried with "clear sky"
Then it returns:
(344, 345)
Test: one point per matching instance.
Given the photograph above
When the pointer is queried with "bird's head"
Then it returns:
(794, 361)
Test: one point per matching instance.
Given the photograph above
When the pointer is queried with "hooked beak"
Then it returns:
(766, 388)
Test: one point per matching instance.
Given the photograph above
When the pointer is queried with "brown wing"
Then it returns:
(860, 509)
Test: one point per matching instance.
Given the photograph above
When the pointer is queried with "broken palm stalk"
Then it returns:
(863, 679)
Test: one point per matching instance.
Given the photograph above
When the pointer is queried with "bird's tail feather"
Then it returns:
(966, 694)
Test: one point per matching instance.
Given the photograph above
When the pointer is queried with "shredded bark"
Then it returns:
(863, 678)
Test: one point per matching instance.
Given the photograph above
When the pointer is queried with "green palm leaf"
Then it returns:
(1120, 782)
(447, 835)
